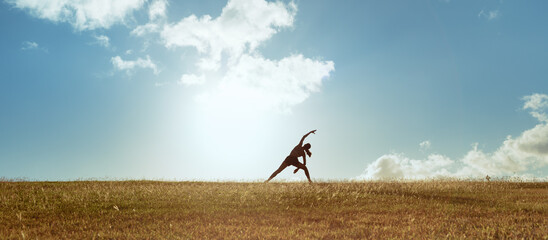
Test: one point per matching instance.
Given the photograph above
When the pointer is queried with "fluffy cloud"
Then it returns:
(395, 166)
(271, 84)
(529, 150)
(245, 78)
(156, 15)
(489, 15)
(241, 27)
(537, 103)
(228, 63)
(515, 155)
(121, 64)
(81, 14)
(102, 40)
(157, 10)
(145, 29)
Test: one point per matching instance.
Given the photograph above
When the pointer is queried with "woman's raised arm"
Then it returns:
(306, 135)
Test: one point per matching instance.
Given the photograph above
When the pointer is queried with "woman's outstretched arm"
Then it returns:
(306, 135)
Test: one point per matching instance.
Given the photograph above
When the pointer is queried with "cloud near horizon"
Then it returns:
(515, 156)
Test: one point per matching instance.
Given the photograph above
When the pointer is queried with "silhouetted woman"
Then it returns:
(293, 158)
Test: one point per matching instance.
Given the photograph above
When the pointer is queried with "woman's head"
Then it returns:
(307, 149)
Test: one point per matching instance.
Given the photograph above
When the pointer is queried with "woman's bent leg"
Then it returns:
(300, 165)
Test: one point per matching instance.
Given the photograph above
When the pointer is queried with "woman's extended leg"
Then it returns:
(280, 169)
(302, 166)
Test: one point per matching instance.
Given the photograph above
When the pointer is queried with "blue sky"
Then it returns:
(142, 89)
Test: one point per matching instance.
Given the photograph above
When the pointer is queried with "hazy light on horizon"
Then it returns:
(224, 90)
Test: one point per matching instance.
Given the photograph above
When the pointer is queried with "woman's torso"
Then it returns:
(297, 151)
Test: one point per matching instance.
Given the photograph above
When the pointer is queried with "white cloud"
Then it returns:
(145, 29)
(397, 166)
(121, 64)
(529, 150)
(515, 156)
(29, 45)
(489, 15)
(157, 10)
(157, 16)
(102, 40)
(241, 27)
(245, 79)
(425, 145)
(191, 79)
(208, 64)
(81, 14)
(272, 84)
(537, 103)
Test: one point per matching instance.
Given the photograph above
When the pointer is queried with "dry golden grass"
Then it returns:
(215, 210)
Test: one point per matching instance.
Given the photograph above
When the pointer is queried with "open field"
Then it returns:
(337, 210)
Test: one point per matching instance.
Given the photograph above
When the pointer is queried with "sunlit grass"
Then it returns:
(332, 210)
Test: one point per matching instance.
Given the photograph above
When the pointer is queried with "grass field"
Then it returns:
(228, 210)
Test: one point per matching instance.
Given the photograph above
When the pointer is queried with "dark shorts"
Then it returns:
(292, 160)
